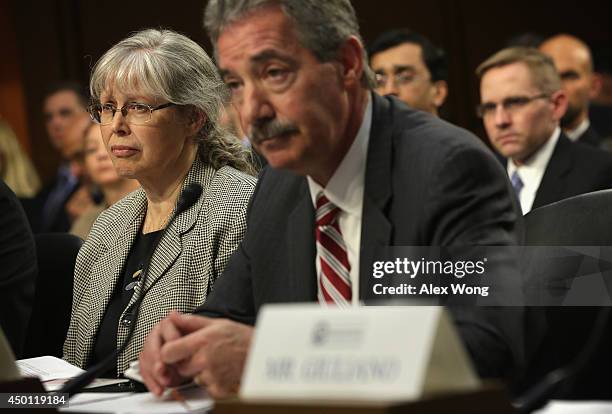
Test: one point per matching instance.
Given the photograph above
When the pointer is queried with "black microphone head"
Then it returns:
(188, 197)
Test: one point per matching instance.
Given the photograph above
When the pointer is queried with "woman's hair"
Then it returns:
(16, 169)
(171, 67)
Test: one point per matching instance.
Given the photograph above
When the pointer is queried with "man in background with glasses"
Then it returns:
(409, 66)
(521, 106)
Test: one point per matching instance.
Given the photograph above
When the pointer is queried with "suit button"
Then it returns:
(126, 322)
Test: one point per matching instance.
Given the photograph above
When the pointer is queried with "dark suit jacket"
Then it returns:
(59, 222)
(427, 183)
(590, 137)
(17, 269)
(573, 169)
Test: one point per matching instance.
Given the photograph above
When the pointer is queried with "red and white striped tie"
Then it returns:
(334, 280)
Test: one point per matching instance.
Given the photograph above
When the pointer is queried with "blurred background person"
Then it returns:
(73, 151)
(409, 66)
(16, 169)
(103, 180)
(600, 110)
(65, 120)
(522, 104)
(157, 97)
(18, 274)
(574, 62)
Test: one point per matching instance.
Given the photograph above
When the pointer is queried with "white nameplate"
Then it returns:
(306, 352)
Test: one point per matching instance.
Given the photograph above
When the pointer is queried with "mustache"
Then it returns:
(263, 130)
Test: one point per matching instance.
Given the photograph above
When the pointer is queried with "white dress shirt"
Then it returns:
(532, 171)
(579, 130)
(345, 190)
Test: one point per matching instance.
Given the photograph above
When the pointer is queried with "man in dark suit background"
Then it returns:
(18, 269)
(55, 207)
(522, 103)
(409, 66)
(574, 62)
(352, 173)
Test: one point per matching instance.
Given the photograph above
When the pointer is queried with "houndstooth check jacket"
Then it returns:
(190, 256)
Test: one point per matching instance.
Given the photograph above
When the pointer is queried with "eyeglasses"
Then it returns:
(398, 78)
(134, 113)
(511, 104)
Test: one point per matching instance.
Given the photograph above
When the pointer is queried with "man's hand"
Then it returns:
(156, 374)
(213, 353)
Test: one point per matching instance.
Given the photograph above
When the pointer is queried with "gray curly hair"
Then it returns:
(169, 66)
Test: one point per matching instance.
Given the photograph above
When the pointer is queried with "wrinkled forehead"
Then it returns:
(514, 79)
(262, 29)
(399, 56)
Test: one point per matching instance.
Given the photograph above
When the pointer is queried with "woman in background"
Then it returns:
(102, 175)
(16, 169)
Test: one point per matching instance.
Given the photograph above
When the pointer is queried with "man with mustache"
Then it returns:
(522, 103)
(352, 173)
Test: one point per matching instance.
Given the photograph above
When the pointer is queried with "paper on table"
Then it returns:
(55, 385)
(196, 399)
(576, 407)
(54, 372)
(47, 368)
(133, 372)
(93, 397)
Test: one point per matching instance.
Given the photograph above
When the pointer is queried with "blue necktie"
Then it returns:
(517, 183)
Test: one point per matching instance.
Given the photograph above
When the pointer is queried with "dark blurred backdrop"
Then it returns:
(46, 41)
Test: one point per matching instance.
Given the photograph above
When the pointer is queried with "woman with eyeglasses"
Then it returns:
(157, 97)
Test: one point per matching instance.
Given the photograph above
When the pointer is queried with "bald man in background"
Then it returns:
(573, 60)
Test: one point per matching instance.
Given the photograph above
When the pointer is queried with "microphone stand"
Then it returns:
(188, 197)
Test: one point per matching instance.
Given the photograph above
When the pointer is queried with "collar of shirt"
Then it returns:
(532, 171)
(579, 130)
(346, 186)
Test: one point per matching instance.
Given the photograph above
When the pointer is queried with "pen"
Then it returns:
(176, 395)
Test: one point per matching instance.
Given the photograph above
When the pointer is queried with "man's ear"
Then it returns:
(351, 59)
(440, 93)
(559, 102)
(596, 85)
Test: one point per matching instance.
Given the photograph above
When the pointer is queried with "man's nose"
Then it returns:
(254, 106)
(502, 117)
(389, 87)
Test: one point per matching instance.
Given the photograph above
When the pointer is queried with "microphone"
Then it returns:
(187, 198)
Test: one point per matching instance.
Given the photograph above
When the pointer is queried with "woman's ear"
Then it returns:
(195, 120)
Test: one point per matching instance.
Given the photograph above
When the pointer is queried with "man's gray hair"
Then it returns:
(169, 66)
(322, 25)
